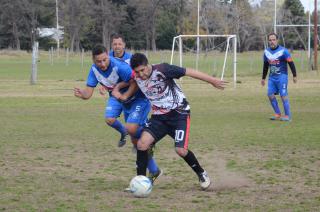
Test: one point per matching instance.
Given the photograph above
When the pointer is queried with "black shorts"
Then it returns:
(174, 124)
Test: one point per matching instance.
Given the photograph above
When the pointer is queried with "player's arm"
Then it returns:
(291, 64)
(293, 70)
(215, 82)
(264, 72)
(85, 93)
(133, 87)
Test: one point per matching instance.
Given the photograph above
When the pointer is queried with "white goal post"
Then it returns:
(229, 38)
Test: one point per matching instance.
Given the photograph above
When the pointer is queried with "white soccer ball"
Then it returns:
(140, 186)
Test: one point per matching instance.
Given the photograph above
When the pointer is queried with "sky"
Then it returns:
(305, 3)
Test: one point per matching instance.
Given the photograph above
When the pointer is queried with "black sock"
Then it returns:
(142, 162)
(192, 161)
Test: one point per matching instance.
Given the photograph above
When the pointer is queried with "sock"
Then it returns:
(142, 162)
(137, 135)
(274, 104)
(192, 161)
(286, 107)
(119, 127)
(152, 166)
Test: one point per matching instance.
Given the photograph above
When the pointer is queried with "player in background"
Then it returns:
(276, 58)
(116, 74)
(118, 46)
(170, 110)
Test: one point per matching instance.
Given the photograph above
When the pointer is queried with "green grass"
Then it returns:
(56, 153)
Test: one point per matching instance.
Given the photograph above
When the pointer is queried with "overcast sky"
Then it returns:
(305, 3)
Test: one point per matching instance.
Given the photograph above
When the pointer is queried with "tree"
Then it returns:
(10, 23)
(292, 12)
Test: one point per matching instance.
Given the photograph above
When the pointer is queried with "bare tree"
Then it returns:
(11, 20)
(146, 15)
(108, 17)
(75, 21)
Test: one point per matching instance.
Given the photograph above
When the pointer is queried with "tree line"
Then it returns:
(147, 24)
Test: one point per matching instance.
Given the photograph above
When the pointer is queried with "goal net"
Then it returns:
(215, 55)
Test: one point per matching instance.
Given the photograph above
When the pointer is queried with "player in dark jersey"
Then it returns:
(171, 110)
(276, 58)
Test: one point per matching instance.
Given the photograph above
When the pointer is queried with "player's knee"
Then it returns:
(284, 98)
(142, 145)
(110, 121)
(181, 151)
(271, 97)
(131, 129)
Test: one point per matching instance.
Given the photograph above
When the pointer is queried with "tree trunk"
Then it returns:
(16, 36)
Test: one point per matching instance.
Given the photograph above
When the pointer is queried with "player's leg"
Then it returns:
(112, 112)
(136, 116)
(180, 133)
(284, 98)
(153, 132)
(272, 89)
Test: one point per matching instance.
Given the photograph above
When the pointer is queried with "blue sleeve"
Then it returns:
(92, 80)
(287, 55)
(124, 72)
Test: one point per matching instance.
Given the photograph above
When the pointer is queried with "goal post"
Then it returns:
(230, 46)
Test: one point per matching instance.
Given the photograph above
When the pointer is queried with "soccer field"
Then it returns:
(57, 154)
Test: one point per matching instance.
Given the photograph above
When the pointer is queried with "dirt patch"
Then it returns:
(225, 179)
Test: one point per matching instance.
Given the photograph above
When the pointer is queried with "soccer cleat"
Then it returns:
(204, 180)
(134, 149)
(128, 189)
(123, 140)
(155, 176)
(285, 118)
(275, 117)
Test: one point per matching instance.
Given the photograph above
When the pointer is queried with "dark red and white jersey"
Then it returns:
(162, 90)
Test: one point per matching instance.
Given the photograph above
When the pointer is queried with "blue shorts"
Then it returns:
(113, 108)
(278, 85)
(137, 111)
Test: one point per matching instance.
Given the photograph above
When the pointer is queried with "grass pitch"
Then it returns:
(56, 153)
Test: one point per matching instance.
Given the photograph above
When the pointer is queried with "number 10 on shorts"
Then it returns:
(179, 135)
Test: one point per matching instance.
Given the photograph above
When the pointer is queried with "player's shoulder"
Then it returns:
(119, 64)
(94, 67)
(127, 54)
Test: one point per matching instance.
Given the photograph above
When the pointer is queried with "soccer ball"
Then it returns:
(140, 186)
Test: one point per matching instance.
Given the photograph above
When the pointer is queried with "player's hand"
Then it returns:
(295, 80)
(219, 84)
(263, 82)
(102, 90)
(116, 93)
(78, 92)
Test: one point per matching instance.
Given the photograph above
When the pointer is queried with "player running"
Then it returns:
(171, 111)
(114, 74)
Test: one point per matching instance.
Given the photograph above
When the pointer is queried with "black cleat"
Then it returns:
(123, 140)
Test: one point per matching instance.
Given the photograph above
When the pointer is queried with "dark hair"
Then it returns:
(98, 49)
(272, 33)
(116, 36)
(138, 59)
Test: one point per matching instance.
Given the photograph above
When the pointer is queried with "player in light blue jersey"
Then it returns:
(112, 73)
(276, 58)
(119, 49)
